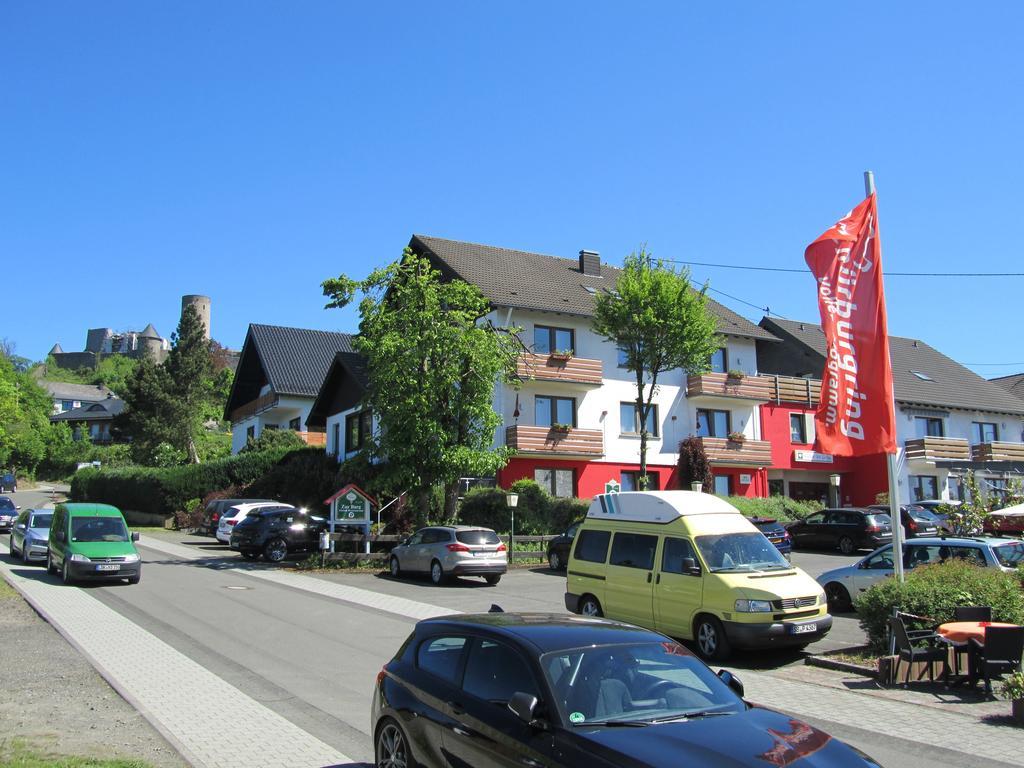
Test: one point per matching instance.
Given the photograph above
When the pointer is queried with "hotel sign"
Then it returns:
(812, 457)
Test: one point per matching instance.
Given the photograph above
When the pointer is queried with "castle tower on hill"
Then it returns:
(202, 307)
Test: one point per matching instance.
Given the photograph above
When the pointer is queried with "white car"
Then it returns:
(237, 513)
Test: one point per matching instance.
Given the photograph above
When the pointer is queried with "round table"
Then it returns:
(963, 631)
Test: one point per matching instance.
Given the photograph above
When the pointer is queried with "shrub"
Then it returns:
(274, 440)
(694, 465)
(779, 507)
(537, 513)
(303, 477)
(934, 591)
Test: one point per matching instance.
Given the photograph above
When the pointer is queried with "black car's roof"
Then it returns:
(547, 631)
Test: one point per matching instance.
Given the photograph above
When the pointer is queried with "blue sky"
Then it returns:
(249, 150)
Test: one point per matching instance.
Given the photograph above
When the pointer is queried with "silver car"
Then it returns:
(451, 550)
(843, 585)
(8, 513)
(30, 535)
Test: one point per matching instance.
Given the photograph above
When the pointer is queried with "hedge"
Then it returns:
(537, 513)
(934, 592)
(779, 507)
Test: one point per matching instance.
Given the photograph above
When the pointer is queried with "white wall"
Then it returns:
(287, 408)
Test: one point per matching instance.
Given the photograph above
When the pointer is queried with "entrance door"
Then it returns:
(677, 591)
(629, 586)
(809, 492)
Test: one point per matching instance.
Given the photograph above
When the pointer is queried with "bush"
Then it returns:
(694, 465)
(303, 478)
(779, 507)
(537, 513)
(274, 440)
(934, 591)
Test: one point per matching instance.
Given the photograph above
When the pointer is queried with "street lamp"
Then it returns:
(833, 481)
(512, 500)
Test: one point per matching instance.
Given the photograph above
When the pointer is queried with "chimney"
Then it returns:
(590, 263)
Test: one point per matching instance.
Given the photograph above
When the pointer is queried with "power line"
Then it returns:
(767, 310)
(805, 271)
(1009, 364)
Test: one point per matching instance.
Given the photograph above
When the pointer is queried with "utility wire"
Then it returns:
(766, 310)
(806, 271)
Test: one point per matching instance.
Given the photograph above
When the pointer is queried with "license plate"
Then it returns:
(799, 629)
(108, 567)
(482, 554)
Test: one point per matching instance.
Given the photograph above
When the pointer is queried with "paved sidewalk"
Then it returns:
(182, 699)
(869, 709)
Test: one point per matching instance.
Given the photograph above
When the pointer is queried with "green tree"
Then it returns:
(433, 360)
(24, 417)
(190, 368)
(661, 323)
(148, 410)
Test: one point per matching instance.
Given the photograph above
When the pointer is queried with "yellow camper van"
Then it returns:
(690, 565)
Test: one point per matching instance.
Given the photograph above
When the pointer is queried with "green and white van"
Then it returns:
(91, 542)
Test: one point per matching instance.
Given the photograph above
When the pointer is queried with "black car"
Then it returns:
(847, 529)
(555, 690)
(276, 532)
(917, 521)
(776, 533)
(558, 547)
(216, 508)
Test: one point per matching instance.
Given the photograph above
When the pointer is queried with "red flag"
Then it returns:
(855, 416)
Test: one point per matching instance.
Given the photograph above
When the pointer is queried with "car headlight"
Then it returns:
(76, 558)
(822, 599)
(753, 606)
(131, 558)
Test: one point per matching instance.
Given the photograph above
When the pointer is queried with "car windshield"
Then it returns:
(923, 515)
(635, 683)
(477, 537)
(1010, 555)
(5, 504)
(878, 519)
(740, 552)
(98, 529)
(41, 521)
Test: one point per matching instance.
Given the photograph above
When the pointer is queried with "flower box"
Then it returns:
(561, 354)
(737, 437)
(735, 375)
(561, 428)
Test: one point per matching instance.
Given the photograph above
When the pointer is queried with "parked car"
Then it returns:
(917, 521)
(91, 542)
(8, 483)
(558, 547)
(30, 535)
(453, 550)
(8, 513)
(776, 533)
(939, 508)
(847, 530)
(213, 511)
(234, 514)
(843, 585)
(275, 533)
(555, 690)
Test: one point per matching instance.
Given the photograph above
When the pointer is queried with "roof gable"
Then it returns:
(343, 387)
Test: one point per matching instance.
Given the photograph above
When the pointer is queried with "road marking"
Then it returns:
(180, 698)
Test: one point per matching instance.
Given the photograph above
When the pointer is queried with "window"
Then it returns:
(720, 360)
(250, 433)
(294, 425)
(435, 536)
(66, 405)
(923, 487)
(723, 485)
(712, 423)
(928, 426)
(592, 546)
(549, 411)
(440, 656)
(881, 561)
(358, 427)
(984, 432)
(557, 482)
(630, 481)
(676, 550)
(629, 419)
(336, 438)
(797, 428)
(547, 340)
(494, 672)
(922, 376)
(633, 550)
(776, 488)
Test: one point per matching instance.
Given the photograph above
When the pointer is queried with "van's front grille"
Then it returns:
(107, 559)
(790, 603)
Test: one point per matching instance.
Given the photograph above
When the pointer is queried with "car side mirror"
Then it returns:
(690, 566)
(17, 507)
(523, 706)
(135, 535)
(732, 681)
(20, 527)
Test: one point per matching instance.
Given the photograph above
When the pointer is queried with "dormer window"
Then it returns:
(922, 376)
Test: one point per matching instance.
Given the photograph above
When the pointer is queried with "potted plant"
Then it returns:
(735, 374)
(561, 354)
(559, 427)
(737, 437)
(1013, 689)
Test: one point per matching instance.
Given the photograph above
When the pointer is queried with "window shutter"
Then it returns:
(809, 427)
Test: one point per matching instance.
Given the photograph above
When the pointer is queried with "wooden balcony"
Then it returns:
(998, 451)
(792, 389)
(938, 449)
(253, 407)
(749, 453)
(754, 388)
(572, 370)
(544, 440)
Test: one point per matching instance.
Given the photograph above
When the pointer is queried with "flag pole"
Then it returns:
(890, 458)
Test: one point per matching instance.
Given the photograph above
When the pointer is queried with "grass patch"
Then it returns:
(860, 656)
(17, 754)
(7, 591)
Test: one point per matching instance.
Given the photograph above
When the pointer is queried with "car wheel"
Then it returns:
(135, 579)
(395, 567)
(492, 578)
(554, 561)
(437, 574)
(392, 748)
(846, 545)
(66, 573)
(590, 607)
(275, 551)
(837, 596)
(712, 644)
(50, 567)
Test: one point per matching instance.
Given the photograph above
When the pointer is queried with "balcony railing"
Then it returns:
(938, 449)
(998, 451)
(756, 388)
(574, 370)
(314, 439)
(574, 442)
(720, 450)
(253, 407)
(792, 389)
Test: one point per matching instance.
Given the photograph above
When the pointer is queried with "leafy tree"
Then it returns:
(110, 371)
(661, 323)
(433, 360)
(190, 368)
(148, 410)
(24, 417)
(694, 466)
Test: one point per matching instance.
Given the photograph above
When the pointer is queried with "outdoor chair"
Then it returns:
(1001, 652)
(972, 613)
(910, 649)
